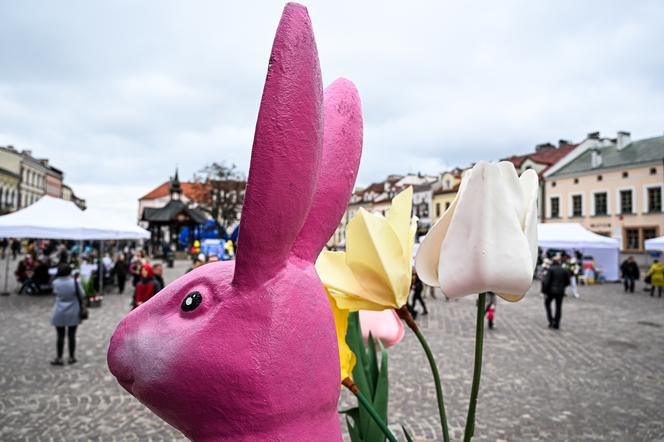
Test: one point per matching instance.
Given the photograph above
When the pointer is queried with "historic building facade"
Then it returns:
(24, 179)
(612, 186)
(10, 179)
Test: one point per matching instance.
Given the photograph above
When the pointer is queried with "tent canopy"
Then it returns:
(655, 244)
(572, 236)
(54, 218)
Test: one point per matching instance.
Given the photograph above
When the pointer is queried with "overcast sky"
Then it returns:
(118, 93)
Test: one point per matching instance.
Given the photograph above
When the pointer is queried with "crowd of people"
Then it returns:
(77, 277)
(653, 279)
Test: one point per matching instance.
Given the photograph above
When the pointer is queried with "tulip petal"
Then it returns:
(485, 248)
(384, 325)
(530, 185)
(375, 255)
(428, 254)
(399, 216)
(335, 273)
(354, 303)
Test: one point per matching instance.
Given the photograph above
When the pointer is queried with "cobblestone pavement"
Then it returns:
(597, 378)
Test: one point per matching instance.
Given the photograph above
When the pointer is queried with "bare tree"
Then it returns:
(222, 192)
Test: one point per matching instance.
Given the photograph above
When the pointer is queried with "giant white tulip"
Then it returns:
(487, 239)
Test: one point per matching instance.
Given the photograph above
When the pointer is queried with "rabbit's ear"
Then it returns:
(286, 153)
(342, 148)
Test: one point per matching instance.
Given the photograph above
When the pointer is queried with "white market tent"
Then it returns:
(573, 236)
(53, 218)
(655, 244)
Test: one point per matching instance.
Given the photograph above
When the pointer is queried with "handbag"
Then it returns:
(82, 309)
(647, 279)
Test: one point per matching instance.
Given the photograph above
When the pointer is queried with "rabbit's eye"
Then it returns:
(191, 301)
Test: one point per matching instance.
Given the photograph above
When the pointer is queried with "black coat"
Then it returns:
(555, 280)
(630, 269)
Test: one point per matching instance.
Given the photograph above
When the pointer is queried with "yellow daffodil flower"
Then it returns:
(375, 271)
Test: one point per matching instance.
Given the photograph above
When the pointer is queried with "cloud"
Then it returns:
(118, 93)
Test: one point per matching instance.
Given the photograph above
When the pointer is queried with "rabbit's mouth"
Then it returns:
(127, 384)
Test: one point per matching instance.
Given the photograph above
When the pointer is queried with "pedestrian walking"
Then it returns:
(555, 281)
(492, 303)
(4, 243)
(656, 274)
(120, 268)
(630, 273)
(66, 314)
(159, 284)
(417, 288)
(16, 248)
(571, 266)
(145, 288)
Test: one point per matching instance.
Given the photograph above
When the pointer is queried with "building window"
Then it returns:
(626, 201)
(555, 207)
(632, 239)
(653, 171)
(437, 210)
(625, 174)
(654, 199)
(577, 205)
(600, 204)
(553, 184)
(648, 233)
(447, 205)
(576, 181)
(600, 177)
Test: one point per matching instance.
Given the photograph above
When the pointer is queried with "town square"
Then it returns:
(323, 222)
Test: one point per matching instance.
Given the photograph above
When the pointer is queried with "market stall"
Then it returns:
(573, 236)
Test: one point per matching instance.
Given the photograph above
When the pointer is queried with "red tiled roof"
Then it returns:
(194, 191)
(549, 157)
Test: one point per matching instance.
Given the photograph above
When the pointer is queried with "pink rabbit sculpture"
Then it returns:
(247, 350)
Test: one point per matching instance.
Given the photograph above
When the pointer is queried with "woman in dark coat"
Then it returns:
(66, 312)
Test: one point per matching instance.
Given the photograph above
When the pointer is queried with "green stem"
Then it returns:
(374, 414)
(348, 383)
(477, 372)
(408, 318)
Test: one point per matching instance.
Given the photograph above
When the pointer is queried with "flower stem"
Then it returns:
(348, 383)
(404, 314)
(477, 372)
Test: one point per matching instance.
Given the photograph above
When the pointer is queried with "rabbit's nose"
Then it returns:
(118, 358)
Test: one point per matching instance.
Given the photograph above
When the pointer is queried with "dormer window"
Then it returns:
(595, 159)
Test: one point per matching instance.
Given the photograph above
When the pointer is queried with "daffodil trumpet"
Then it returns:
(362, 399)
(477, 370)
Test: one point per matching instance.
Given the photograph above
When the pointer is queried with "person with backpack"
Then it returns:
(555, 281)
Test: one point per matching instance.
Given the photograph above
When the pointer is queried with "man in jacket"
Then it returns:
(630, 273)
(555, 281)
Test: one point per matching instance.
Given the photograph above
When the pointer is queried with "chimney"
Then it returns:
(594, 135)
(623, 139)
(27, 153)
(544, 146)
(562, 142)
